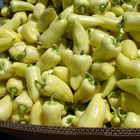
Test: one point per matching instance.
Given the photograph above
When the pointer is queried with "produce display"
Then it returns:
(70, 63)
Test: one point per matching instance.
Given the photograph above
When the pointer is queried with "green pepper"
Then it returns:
(66, 3)
(65, 13)
(129, 103)
(45, 2)
(127, 66)
(5, 69)
(115, 120)
(32, 1)
(69, 120)
(109, 48)
(5, 11)
(45, 73)
(99, 7)
(114, 99)
(54, 85)
(127, 7)
(14, 86)
(109, 23)
(38, 10)
(29, 32)
(36, 116)
(6, 108)
(129, 48)
(32, 73)
(81, 6)
(23, 52)
(18, 117)
(94, 114)
(79, 45)
(118, 10)
(108, 114)
(19, 69)
(130, 85)
(56, 30)
(109, 85)
(48, 15)
(3, 90)
(49, 59)
(131, 21)
(88, 88)
(129, 120)
(52, 113)
(17, 6)
(102, 70)
(23, 102)
(135, 35)
(96, 36)
(62, 73)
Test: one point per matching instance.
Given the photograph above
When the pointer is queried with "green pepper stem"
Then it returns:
(41, 83)
(121, 114)
(22, 109)
(13, 91)
(103, 6)
(82, 9)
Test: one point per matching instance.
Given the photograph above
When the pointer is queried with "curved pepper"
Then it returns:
(3, 90)
(62, 73)
(48, 15)
(23, 102)
(49, 59)
(127, 66)
(5, 69)
(81, 6)
(38, 10)
(129, 120)
(54, 85)
(36, 116)
(129, 103)
(88, 88)
(129, 48)
(102, 70)
(14, 86)
(32, 73)
(69, 120)
(131, 21)
(52, 113)
(19, 69)
(17, 6)
(108, 49)
(6, 108)
(56, 30)
(94, 114)
(29, 32)
(99, 7)
(80, 46)
(130, 85)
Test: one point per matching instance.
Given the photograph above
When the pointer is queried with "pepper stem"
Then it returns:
(121, 114)
(103, 6)
(41, 83)
(13, 91)
(82, 9)
(22, 109)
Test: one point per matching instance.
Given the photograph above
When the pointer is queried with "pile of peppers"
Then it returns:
(70, 63)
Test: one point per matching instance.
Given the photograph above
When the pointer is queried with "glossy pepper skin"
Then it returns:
(49, 59)
(14, 86)
(78, 45)
(6, 107)
(54, 85)
(48, 15)
(56, 30)
(130, 85)
(129, 103)
(32, 73)
(36, 116)
(88, 88)
(94, 114)
(127, 66)
(52, 113)
(129, 120)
